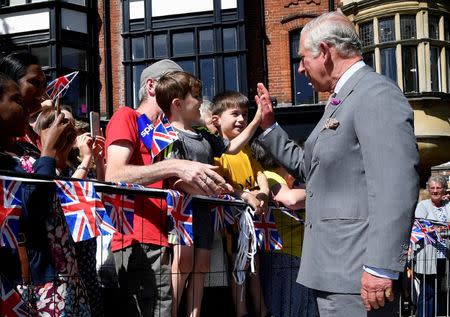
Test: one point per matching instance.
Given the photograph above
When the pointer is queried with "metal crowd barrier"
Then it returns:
(427, 273)
(413, 282)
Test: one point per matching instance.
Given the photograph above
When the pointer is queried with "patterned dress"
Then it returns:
(66, 294)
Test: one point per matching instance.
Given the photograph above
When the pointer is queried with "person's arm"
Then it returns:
(250, 199)
(264, 191)
(84, 143)
(242, 139)
(118, 169)
(290, 198)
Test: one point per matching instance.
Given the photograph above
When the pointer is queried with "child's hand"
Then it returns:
(252, 201)
(263, 201)
(258, 113)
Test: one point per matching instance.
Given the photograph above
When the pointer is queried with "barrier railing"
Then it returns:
(425, 282)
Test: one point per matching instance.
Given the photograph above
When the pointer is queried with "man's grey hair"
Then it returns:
(336, 30)
(439, 179)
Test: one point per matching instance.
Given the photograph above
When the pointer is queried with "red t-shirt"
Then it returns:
(150, 217)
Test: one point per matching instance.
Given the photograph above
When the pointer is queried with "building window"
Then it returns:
(212, 47)
(366, 33)
(405, 46)
(433, 27)
(447, 28)
(408, 27)
(369, 58)
(410, 71)
(386, 29)
(447, 52)
(435, 68)
(63, 36)
(302, 90)
(389, 63)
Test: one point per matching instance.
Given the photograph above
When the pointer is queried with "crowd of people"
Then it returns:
(354, 163)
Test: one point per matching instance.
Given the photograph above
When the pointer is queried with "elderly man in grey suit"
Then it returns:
(359, 164)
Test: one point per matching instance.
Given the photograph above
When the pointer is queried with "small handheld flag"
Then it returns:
(58, 87)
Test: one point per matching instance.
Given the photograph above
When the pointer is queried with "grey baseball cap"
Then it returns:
(155, 71)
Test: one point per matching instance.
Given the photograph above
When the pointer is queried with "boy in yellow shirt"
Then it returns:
(243, 172)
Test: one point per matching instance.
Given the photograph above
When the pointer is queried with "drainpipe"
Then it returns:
(107, 58)
(263, 42)
(330, 5)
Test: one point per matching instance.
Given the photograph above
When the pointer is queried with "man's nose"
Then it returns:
(301, 68)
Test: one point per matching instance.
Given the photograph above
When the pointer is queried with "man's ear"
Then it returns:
(150, 86)
(325, 51)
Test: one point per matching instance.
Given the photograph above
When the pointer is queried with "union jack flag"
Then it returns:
(85, 214)
(129, 185)
(222, 215)
(11, 304)
(10, 211)
(266, 232)
(423, 229)
(162, 138)
(58, 87)
(168, 126)
(179, 207)
(120, 209)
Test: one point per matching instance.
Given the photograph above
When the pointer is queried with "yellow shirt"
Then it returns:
(290, 230)
(239, 170)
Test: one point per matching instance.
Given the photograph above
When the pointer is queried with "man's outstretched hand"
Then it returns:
(263, 98)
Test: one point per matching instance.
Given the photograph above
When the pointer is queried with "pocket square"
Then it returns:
(330, 123)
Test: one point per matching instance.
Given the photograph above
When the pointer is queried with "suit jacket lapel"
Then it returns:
(348, 87)
(345, 91)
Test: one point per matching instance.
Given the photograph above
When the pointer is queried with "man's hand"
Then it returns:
(374, 290)
(263, 98)
(202, 178)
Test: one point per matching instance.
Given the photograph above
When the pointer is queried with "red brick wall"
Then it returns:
(281, 17)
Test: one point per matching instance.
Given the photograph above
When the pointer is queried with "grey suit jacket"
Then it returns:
(362, 183)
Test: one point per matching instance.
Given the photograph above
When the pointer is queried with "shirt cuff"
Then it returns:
(268, 130)
(384, 273)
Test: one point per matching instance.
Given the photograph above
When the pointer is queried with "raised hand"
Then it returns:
(54, 138)
(84, 144)
(264, 102)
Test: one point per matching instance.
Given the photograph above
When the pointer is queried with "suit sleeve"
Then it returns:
(384, 127)
(286, 151)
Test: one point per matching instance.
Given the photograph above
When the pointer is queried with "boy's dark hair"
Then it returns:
(263, 156)
(15, 65)
(177, 84)
(226, 100)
